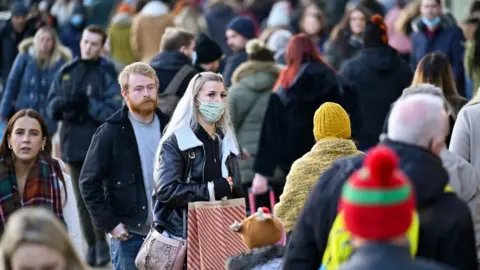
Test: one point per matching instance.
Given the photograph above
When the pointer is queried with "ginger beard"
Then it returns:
(146, 107)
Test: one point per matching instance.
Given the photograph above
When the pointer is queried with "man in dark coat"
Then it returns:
(417, 130)
(12, 32)
(239, 31)
(176, 51)
(84, 94)
(380, 76)
(121, 158)
(435, 31)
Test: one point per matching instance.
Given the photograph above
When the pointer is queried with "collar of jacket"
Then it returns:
(186, 139)
(121, 117)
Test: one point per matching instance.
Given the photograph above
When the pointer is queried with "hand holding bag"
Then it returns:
(159, 252)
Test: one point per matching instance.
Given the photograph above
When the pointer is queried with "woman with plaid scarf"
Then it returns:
(29, 176)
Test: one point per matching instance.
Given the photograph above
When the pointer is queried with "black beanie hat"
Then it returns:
(375, 32)
(206, 50)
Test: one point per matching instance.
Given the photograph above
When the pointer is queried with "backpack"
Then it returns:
(338, 248)
(168, 100)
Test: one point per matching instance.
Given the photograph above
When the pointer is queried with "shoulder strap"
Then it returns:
(178, 79)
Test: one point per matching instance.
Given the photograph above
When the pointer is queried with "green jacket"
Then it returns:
(119, 38)
(252, 84)
(472, 70)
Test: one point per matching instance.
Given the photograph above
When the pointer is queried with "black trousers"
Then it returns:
(91, 232)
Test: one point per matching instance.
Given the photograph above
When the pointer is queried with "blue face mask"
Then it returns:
(431, 23)
(76, 20)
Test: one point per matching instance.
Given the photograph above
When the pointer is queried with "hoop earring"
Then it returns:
(43, 148)
(9, 147)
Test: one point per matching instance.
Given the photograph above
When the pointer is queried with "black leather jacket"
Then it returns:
(173, 193)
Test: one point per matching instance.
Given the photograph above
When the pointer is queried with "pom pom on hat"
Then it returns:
(382, 163)
(331, 120)
(375, 32)
(377, 201)
(258, 51)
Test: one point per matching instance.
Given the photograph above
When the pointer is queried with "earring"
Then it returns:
(9, 147)
(43, 148)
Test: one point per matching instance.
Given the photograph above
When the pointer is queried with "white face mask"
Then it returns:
(211, 111)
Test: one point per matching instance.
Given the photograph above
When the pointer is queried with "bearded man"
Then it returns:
(116, 181)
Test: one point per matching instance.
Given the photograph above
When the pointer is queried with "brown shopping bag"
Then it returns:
(210, 240)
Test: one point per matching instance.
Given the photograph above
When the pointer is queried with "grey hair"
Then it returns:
(417, 119)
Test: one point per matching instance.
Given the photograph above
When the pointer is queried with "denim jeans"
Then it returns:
(123, 253)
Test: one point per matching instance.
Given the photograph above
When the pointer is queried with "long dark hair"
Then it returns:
(341, 33)
(46, 154)
(434, 68)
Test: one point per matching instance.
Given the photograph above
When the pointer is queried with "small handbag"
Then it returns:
(159, 252)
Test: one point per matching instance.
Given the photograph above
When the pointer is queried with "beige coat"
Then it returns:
(147, 30)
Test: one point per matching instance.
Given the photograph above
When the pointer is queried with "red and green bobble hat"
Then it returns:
(377, 201)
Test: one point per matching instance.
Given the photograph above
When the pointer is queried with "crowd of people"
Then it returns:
(356, 117)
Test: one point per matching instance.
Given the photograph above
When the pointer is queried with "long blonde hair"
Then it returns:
(185, 115)
(39, 226)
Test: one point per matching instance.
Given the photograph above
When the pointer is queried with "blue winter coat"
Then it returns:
(28, 84)
(448, 39)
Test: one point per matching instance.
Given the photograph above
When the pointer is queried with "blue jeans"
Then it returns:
(124, 253)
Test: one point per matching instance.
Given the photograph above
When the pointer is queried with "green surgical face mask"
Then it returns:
(211, 111)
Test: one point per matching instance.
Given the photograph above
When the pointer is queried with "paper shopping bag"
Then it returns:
(210, 240)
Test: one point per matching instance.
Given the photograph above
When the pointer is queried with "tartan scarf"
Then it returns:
(42, 189)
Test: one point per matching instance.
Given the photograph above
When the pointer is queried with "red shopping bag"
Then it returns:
(210, 240)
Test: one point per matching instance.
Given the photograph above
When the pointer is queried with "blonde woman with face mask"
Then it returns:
(200, 130)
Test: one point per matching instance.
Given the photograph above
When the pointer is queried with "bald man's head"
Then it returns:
(419, 120)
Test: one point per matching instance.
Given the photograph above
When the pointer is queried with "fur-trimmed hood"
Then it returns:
(60, 52)
(257, 257)
(255, 67)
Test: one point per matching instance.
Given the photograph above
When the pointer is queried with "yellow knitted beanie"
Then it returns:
(331, 120)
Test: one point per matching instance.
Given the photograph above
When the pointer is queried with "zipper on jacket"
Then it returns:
(204, 161)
